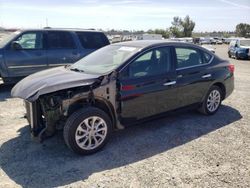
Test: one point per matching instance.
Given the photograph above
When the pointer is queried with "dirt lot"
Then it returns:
(182, 150)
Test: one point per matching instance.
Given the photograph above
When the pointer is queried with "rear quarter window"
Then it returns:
(206, 57)
(92, 40)
(189, 57)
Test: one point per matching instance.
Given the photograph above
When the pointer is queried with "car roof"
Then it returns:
(153, 43)
(62, 29)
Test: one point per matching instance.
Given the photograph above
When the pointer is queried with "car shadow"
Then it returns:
(5, 91)
(52, 164)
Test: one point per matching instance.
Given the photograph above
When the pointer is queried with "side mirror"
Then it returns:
(15, 45)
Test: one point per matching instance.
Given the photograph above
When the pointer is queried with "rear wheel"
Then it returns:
(212, 101)
(87, 130)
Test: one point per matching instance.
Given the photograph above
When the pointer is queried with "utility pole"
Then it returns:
(47, 25)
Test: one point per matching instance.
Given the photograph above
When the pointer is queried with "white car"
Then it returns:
(209, 47)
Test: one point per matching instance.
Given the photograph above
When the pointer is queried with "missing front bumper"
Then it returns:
(34, 117)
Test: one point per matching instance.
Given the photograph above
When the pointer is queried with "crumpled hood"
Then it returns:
(31, 87)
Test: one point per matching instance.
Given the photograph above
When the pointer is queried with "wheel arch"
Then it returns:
(222, 87)
(98, 102)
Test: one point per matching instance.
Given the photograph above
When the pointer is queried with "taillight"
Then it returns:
(231, 68)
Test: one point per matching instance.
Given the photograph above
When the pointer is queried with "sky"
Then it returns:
(212, 15)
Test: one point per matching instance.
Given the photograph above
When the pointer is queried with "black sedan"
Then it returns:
(122, 84)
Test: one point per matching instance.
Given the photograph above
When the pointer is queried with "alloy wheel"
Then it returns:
(213, 100)
(91, 132)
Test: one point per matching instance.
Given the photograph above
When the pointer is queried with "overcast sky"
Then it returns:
(219, 15)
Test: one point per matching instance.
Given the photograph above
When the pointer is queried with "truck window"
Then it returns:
(60, 40)
(31, 40)
(92, 40)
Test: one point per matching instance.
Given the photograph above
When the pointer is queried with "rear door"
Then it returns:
(147, 86)
(29, 58)
(193, 74)
(91, 41)
(62, 48)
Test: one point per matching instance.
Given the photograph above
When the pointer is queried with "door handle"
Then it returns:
(206, 76)
(169, 83)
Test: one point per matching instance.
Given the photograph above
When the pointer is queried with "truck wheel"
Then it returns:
(87, 130)
(212, 101)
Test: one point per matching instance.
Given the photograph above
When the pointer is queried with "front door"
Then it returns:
(29, 57)
(147, 86)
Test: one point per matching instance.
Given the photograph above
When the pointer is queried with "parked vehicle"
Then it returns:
(205, 41)
(182, 39)
(123, 84)
(209, 47)
(151, 37)
(212, 41)
(239, 48)
(25, 52)
(219, 41)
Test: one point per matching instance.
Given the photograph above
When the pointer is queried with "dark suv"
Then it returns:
(123, 84)
(25, 52)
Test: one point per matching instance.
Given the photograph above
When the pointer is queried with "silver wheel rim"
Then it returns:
(213, 101)
(91, 133)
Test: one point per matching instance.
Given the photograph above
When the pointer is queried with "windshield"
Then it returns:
(245, 42)
(6, 37)
(105, 59)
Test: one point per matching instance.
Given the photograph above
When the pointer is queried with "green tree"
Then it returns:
(164, 33)
(182, 28)
(176, 28)
(188, 26)
(243, 30)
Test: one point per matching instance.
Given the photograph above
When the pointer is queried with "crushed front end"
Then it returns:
(43, 116)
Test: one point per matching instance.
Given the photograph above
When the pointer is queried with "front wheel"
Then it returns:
(87, 130)
(212, 101)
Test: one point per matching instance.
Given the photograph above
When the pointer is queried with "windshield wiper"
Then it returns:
(76, 70)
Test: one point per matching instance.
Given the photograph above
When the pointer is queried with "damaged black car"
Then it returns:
(119, 85)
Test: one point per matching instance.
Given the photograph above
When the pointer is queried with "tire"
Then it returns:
(208, 109)
(229, 55)
(82, 135)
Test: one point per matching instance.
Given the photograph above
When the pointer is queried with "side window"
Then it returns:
(187, 57)
(154, 62)
(206, 57)
(92, 40)
(32, 40)
(60, 40)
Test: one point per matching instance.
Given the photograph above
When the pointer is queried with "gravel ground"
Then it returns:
(181, 150)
